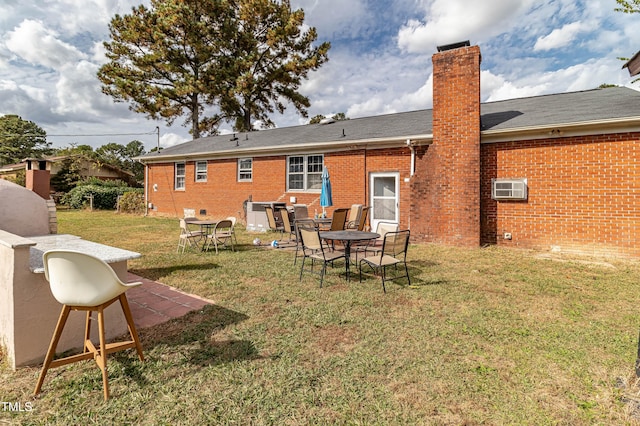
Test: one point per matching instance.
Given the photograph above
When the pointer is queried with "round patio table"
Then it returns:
(347, 237)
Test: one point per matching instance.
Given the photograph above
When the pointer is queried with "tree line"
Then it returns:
(21, 139)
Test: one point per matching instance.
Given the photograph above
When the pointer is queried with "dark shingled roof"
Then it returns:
(538, 111)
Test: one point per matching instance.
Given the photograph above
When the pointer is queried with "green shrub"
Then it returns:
(92, 180)
(132, 202)
(104, 197)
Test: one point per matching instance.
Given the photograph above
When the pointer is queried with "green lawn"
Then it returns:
(483, 336)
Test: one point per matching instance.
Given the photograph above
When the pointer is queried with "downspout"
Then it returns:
(366, 180)
(413, 157)
(146, 190)
(413, 170)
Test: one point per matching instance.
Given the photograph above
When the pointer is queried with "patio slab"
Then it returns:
(153, 303)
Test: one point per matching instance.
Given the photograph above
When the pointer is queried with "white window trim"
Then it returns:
(176, 176)
(240, 160)
(205, 173)
(304, 173)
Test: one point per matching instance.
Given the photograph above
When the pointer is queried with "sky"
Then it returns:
(379, 62)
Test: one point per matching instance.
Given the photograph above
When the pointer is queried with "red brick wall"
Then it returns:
(446, 200)
(222, 195)
(38, 181)
(584, 194)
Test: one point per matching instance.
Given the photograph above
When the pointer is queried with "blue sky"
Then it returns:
(380, 61)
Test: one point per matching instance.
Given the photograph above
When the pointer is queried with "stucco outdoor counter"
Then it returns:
(28, 310)
(111, 255)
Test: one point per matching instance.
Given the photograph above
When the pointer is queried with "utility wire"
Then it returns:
(153, 132)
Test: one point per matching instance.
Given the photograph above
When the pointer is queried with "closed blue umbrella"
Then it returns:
(325, 194)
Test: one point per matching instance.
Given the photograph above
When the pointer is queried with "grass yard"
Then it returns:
(483, 336)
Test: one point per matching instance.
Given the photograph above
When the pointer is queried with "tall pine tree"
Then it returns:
(211, 61)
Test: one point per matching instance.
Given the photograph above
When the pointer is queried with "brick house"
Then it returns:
(555, 172)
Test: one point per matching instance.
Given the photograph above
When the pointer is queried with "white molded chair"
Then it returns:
(82, 282)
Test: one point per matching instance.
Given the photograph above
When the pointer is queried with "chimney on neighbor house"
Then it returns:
(38, 178)
(456, 139)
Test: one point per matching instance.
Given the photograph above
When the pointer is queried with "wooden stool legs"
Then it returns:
(90, 351)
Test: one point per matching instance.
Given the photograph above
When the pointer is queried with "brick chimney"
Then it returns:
(38, 179)
(446, 194)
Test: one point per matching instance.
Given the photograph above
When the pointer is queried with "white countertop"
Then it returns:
(71, 242)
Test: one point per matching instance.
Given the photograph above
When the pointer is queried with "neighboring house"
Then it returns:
(557, 172)
(55, 164)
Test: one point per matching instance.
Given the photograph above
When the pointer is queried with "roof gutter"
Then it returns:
(309, 148)
(583, 128)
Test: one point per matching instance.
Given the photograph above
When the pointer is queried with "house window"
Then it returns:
(245, 169)
(304, 173)
(201, 171)
(180, 173)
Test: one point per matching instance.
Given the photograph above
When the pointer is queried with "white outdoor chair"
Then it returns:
(81, 282)
(221, 236)
(187, 236)
(233, 228)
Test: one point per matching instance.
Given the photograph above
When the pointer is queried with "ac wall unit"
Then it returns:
(509, 189)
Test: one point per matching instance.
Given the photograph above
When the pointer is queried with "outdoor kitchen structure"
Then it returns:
(28, 310)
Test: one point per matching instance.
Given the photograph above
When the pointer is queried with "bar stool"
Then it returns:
(82, 282)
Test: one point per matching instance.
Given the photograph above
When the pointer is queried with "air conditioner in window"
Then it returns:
(509, 189)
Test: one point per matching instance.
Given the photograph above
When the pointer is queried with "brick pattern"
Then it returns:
(222, 195)
(446, 202)
(584, 194)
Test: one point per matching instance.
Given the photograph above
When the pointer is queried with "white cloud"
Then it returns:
(78, 93)
(450, 21)
(38, 45)
(380, 61)
(560, 37)
(171, 139)
(334, 16)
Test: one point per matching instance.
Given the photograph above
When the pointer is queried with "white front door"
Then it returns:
(385, 191)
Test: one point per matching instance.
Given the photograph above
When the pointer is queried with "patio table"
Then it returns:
(206, 226)
(347, 237)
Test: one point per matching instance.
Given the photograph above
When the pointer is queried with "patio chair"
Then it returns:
(394, 252)
(272, 221)
(81, 282)
(300, 211)
(354, 216)
(339, 219)
(189, 216)
(382, 228)
(338, 222)
(286, 224)
(187, 236)
(221, 236)
(362, 220)
(361, 246)
(314, 250)
(302, 223)
(233, 228)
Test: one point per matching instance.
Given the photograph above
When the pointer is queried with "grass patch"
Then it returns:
(482, 336)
